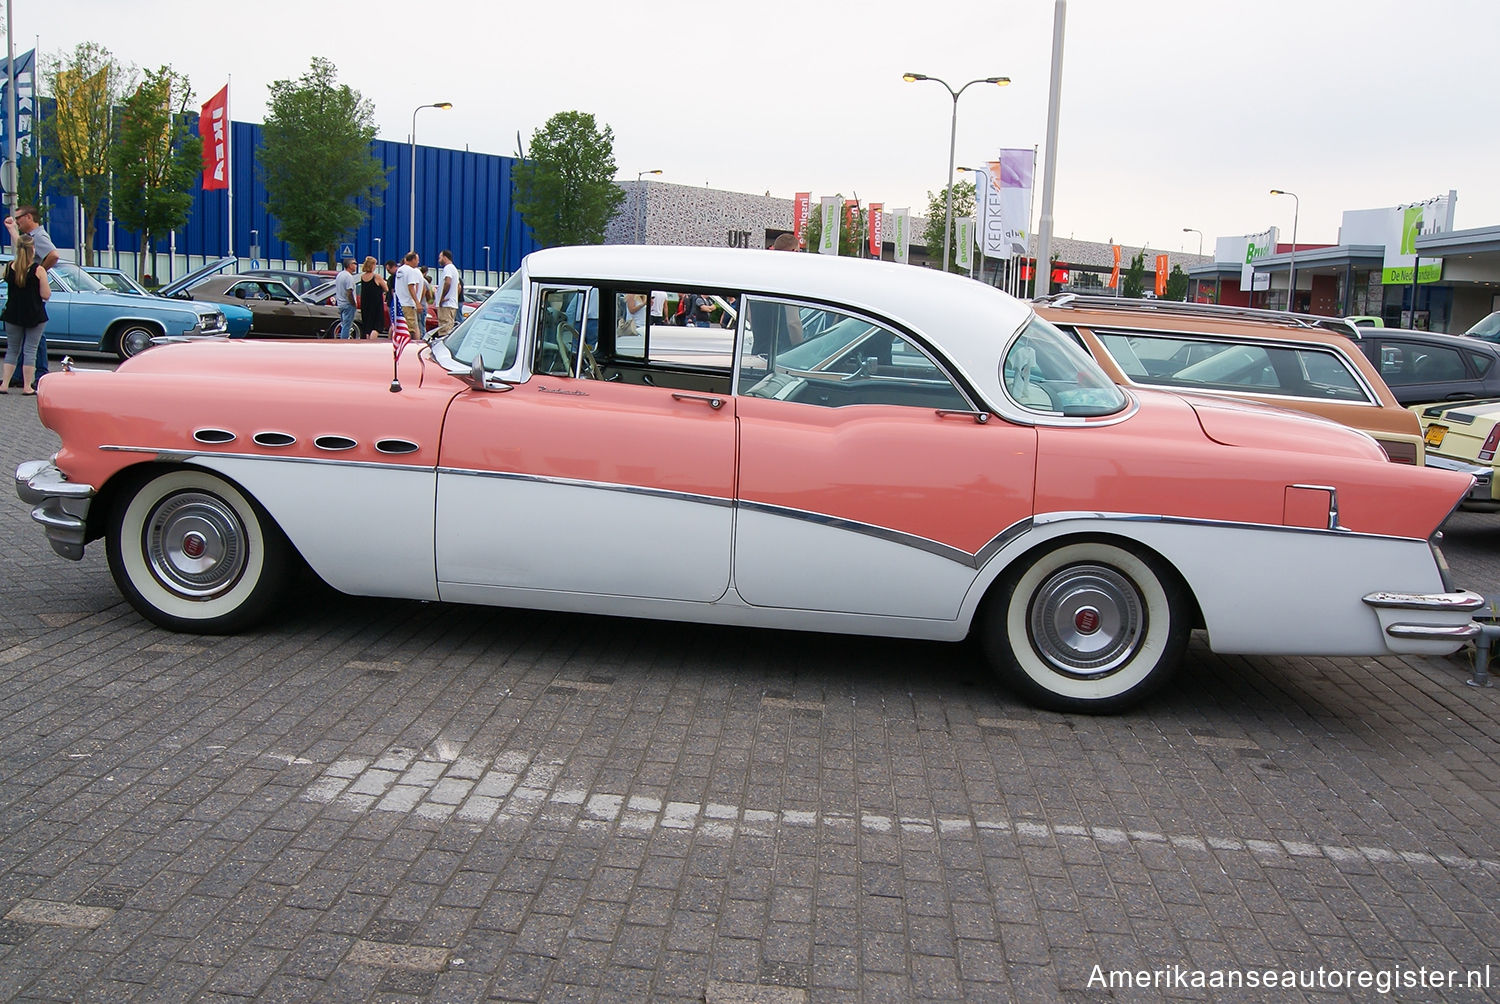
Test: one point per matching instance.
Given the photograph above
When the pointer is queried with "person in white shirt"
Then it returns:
(448, 283)
(409, 286)
(343, 298)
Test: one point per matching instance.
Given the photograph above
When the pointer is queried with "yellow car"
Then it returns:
(1464, 436)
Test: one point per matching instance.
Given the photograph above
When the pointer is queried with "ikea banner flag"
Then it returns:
(25, 102)
(901, 234)
(963, 247)
(828, 239)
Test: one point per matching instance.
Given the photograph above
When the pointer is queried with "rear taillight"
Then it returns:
(1487, 451)
(1400, 453)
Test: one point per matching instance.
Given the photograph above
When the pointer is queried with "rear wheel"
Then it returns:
(1089, 626)
(337, 330)
(133, 338)
(192, 553)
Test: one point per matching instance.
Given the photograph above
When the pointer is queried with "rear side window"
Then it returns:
(1403, 362)
(1215, 364)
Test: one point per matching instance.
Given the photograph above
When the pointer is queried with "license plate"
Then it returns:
(1435, 434)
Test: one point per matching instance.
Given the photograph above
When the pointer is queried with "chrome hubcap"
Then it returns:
(136, 340)
(1087, 620)
(195, 545)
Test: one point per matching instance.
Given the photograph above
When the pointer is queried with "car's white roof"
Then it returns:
(968, 320)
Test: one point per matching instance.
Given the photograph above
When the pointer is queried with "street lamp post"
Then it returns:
(445, 105)
(952, 144)
(486, 264)
(379, 254)
(1291, 282)
(1190, 230)
(640, 210)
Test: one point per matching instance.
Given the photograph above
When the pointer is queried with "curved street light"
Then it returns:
(640, 210)
(1191, 230)
(952, 144)
(1291, 282)
(444, 105)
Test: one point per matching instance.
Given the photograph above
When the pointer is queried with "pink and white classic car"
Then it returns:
(855, 447)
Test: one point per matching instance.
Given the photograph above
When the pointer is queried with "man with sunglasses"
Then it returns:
(25, 222)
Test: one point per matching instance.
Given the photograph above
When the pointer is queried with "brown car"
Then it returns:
(279, 313)
(1293, 361)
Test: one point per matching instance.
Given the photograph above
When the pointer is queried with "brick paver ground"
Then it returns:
(371, 800)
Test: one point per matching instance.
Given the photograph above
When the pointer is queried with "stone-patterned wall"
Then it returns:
(709, 217)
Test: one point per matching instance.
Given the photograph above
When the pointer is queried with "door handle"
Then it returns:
(713, 402)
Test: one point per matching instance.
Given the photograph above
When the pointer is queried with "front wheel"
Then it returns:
(193, 553)
(133, 339)
(337, 330)
(1088, 626)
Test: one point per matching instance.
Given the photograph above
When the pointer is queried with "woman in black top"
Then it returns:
(373, 293)
(25, 314)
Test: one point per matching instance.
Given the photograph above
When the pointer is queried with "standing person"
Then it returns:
(410, 285)
(448, 283)
(25, 314)
(343, 296)
(373, 294)
(699, 310)
(659, 306)
(25, 221)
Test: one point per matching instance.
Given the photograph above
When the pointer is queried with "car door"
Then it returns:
(577, 487)
(289, 314)
(868, 483)
(1419, 371)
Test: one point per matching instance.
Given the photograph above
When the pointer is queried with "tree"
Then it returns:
(1133, 281)
(565, 189)
(1177, 284)
(156, 160)
(851, 233)
(316, 160)
(937, 213)
(86, 87)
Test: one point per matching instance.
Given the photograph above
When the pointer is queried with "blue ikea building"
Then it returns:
(464, 204)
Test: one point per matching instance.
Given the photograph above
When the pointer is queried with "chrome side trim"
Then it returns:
(1463, 601)
(187, 455)
(938, 548)
(1062, 517)
(606, 486)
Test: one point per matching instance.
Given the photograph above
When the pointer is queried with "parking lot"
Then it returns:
(381, 800)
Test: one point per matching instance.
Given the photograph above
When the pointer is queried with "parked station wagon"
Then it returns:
(871, 449)
(1294, 361)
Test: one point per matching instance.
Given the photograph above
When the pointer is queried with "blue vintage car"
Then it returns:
(118, 280)
(83, 315)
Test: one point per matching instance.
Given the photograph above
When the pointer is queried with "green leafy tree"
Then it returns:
(1133, 280)
(156, 159)
(1177, 284)
(937, 212)
(317, 161)
(565, 189)
(851, 237)
(86, 85)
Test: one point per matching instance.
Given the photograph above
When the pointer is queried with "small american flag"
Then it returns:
(399, 333)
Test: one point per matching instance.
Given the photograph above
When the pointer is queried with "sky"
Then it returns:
(1173, 113)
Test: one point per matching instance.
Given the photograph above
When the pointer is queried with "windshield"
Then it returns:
(77, 279)
(1046, 371)
(492, 332)
(1488, 329)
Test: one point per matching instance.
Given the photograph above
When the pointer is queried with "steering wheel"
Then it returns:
(565, 333)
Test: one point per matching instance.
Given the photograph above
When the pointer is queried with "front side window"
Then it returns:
(1046, 371)
(820, 356)
(1217, 364)
(565, 327)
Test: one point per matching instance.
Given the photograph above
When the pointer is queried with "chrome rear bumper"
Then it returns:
(62, 506)
(1483, 489)
(1426, 623)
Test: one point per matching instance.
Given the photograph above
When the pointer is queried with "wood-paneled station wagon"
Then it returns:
(866, 448)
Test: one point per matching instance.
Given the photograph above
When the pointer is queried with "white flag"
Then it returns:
(901, 233)
(828, 240)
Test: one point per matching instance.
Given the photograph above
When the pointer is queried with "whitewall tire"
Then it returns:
(1089, 626)
(192, 553)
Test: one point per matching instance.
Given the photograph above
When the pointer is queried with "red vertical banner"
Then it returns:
(1114, 276)
(873, 230)
(213, 126)
(1161, 275)
(851, 209)
(800, 206)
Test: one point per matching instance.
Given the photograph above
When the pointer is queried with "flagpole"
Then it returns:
(10, 107)
(229, 164)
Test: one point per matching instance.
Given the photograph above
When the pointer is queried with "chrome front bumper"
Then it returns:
(1426, 623)
(62, 506)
